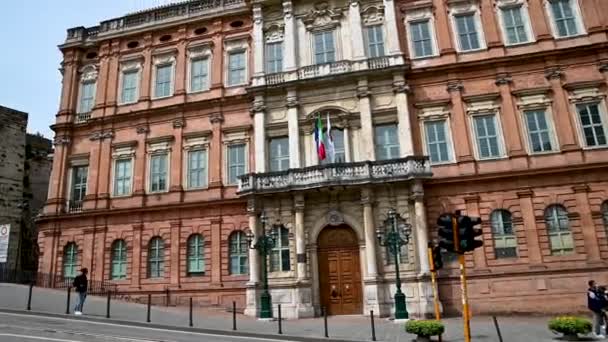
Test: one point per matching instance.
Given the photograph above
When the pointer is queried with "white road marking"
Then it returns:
(39, 338)
(144, 328)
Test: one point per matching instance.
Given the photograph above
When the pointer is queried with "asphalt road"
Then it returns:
(26, 328)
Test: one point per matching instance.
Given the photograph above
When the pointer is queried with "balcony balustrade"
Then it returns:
(74, 206)
(83, 117)
(339, 174)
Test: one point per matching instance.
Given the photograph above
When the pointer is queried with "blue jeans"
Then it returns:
(80, 302)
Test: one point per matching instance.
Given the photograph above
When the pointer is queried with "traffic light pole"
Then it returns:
(434, 284)
(463, 282)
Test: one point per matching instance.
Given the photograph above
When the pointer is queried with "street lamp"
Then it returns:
(264, 244)
(396, 233)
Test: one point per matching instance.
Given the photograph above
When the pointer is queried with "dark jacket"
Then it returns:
(595, 300)
(81, 283)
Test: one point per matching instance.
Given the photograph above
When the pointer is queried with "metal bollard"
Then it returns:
(67, 306)
(108, 304)
(497, 328)
(371, 316)
(168, 298)
(29, 297)
(191, 324)
(233, 315)
(325, 321)
(149, 303)
(280, 323)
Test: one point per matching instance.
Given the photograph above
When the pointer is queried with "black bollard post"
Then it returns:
(67, 306)
(280, 323)
(371, 317)
(168, 296)
(497, 328)
(108, 304)
(29, 297)
(191, 312)
(325, 321)
(233, 315)
(149, 303)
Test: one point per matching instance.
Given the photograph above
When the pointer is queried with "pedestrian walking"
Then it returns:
(596, 302)
(80, 284)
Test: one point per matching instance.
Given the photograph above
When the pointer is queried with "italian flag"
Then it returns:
(318, 132)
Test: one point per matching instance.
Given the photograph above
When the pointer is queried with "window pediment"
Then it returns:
(200, 50)
(373, 15)
(123, 152)
(509, 3)
(483, 105)
(274, 33)
(89, 73)
(433, 111)
(197, 143)
(585, 95)
(322, 17)
(420, 13)
(463, 6)
(533, 101)
(164, 59)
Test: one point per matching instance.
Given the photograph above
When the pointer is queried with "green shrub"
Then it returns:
(569, 325)
(424, 327)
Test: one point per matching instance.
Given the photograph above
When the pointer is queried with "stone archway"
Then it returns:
(339, 271)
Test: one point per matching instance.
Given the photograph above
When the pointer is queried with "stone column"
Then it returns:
(406, 143)
(348, 157)
(392, 39)
(370, 234)
(563, 117)
(174, 252)
(509, 117)
(300, 238)
(463, 147)
(356, 31)
(215, 153)
(258, 41)
(420, 224)
(259, 133)
(290, 47)
(251, 292)
(529, 223)
(366, 141)
(589, 234)
(293, 129)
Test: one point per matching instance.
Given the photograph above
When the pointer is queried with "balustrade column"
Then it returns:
(293, 129)
(366, 141)
(258, 40)
(370, 234)
(290, 47)
(422, 233)
(356, 31)
(259, 133)
(392, 32)
(400, 88)
(300, 238)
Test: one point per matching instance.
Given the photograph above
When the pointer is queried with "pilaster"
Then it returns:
(137, 266)
(215, 153)
(509, 117)
(356, 30)
(175, 252)
(290, 47)
(420, 224)
(259, 133)
(216, 252)
(588, 226)
(258, 40)
(139, 169)
(463, 147)
(177, 156)
(293, 128)
(366, 141)
(529, 222)
(391, 28)
(406, 143)
(562, 115)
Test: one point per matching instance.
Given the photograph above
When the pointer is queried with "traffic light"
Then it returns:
(446, 233)
(437, 261)
(468, 233)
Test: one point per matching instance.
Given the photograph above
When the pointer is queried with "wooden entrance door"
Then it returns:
(339, 271)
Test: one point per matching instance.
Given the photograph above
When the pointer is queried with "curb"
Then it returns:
(175, 328)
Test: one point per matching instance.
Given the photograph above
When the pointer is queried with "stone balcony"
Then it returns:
(167, 14)
(340, 174)
(327, 69)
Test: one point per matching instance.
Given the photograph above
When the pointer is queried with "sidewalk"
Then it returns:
(355, 328)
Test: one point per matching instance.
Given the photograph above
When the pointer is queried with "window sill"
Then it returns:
(578, 35)
(591, 148)
(122, 104)
(421, 58)
(202, 188)
(195, 274)
(121, 196)
(162, 97)
(492, 158)
(466, 52)
(450, 162)
(230, 86)
(157, 192)
(512, 45)
(194, 92)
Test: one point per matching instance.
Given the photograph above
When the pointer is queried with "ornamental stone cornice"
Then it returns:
(363, 91)
(62, 140)
(322, 17)
(503, 79)
(291, 102)
(101, 135)
(142, 129)
(179, 123)
(401, 87)
(455, 86)
(216, 118)
(554, 73)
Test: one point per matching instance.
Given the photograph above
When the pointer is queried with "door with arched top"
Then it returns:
(339, 271)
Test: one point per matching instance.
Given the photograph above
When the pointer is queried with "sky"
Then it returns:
(30, 31)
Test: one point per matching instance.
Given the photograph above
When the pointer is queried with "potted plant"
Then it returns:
(424, 329)
(570, 326)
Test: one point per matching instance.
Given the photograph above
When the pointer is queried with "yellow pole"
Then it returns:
(463, 284)
(434, 284)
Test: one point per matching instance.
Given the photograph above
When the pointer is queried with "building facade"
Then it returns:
(180, 125)
(25, 168)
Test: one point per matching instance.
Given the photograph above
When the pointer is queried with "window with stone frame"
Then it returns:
(237, 164)
(593, 124)
(163, 80)
(158, 172)
(274, 57)
(565, 18)
(199, 68)
(437, 142)
(337, 136)
(487, 136)
(238, 253)
(386, 142)
(279, 153)
(122, 176)
(558, 229)
(237, 68)
(505, 241)
(375, 40)
(279, 255)
(129, 82)
(324, 47)
(540, 135)
(87, 97)
(420, 30)
(78, 186)
(515, 23)
(467, 28)
(196, 255)
(118, 260)
(605, 215)
(156, 258)
(70, 261)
